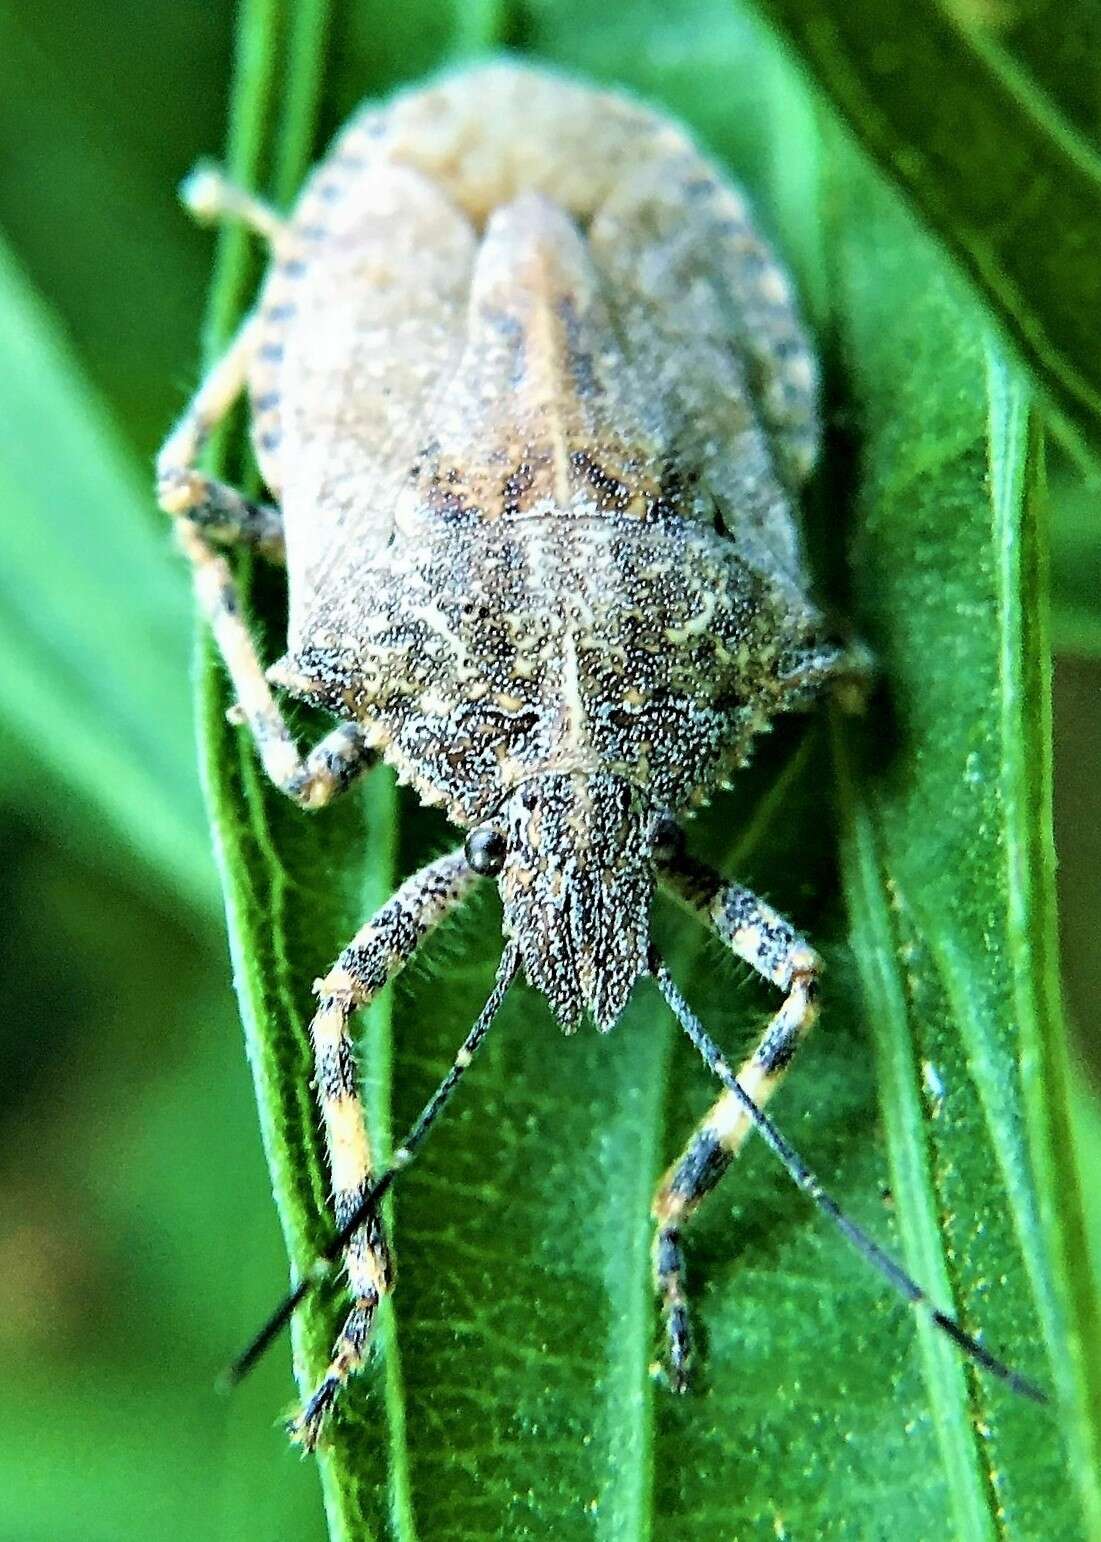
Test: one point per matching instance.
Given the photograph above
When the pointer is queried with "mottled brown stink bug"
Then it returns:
(534, 404)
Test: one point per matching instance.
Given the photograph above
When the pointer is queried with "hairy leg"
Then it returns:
(312, 780)
(768, 943)
(204, 509)
(374, 956)
(183, 490)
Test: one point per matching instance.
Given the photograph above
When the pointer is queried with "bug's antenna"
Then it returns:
(323, 1264)
(806, 1180)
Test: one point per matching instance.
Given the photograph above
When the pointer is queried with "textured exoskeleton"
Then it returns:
(533, 403)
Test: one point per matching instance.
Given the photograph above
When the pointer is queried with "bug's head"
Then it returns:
(574, 858)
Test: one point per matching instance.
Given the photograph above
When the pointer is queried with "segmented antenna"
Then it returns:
(804, 1179)
(330, 1254)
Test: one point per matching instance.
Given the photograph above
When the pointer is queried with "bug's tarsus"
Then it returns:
(806, 1180)
(209, 195)
(305, 1429)
(320, 1404)
(678, 1336)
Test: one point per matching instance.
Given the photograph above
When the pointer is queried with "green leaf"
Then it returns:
(948, 860)
(513, 1393)
(1087, 1136)
(270, 858)
(103, 114)
(1076, 560)
(1054, 43)
(995, 170)
(95, 614)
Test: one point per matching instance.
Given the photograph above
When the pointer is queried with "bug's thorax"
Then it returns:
(489, 653)
(576, 884)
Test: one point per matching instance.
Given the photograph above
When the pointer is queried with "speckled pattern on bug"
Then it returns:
(533, 403)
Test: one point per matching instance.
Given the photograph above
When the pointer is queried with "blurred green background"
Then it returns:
(138, 1242)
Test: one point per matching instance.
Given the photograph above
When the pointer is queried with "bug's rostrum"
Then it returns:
(576, 884)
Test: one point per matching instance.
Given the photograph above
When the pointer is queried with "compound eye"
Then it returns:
(485, 850)
(667, 841)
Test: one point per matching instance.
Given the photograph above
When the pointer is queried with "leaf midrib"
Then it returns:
(253, 97)
(973, 1503)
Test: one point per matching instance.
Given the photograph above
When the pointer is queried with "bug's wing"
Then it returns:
(701, 302)
(374, 303)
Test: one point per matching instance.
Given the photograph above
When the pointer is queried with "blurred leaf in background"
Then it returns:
(988, 159)
(137, 1235)
(138, 1241)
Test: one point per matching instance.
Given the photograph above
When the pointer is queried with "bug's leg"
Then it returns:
(332, 764)
(204, 509)
(768, 943)
(370, 960)
(852, 679)
(225, 515)
(184, 491)
(209, 195)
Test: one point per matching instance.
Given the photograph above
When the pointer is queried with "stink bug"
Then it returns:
(534, 404)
